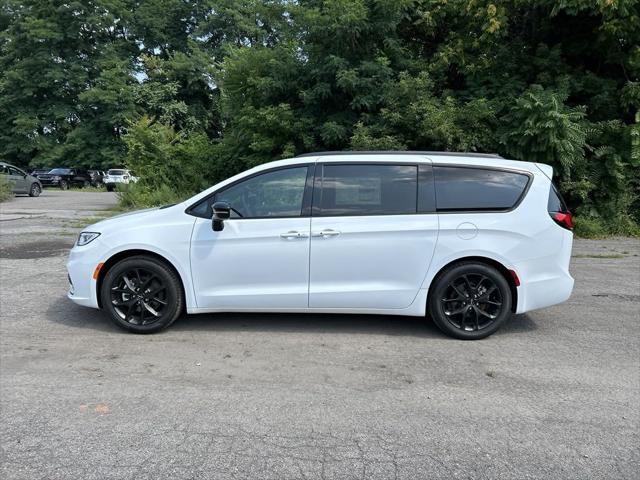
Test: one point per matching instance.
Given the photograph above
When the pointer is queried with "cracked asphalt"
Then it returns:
(554, 394)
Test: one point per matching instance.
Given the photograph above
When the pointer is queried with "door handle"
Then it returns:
(293, 234)
(326, 233)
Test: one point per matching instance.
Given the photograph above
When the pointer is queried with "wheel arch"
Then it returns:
(116, 257)
(504, 271)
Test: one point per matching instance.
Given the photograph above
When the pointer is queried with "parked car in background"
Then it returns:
(468, 239)
(117, 176)
(39, 171)
(96, 177)
(20, 181)
(65, 178)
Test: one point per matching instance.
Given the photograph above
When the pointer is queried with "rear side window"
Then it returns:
(366, 189)
(471, 188)
(556, 202)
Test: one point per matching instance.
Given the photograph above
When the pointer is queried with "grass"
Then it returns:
(63, 233)
(78, 189)
(84, 221)
(88, 189)
(5, 189)
(136, 196)
(596, 228)
(599, 255)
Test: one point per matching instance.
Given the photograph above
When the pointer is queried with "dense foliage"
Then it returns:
(187, 92)
(5, 189)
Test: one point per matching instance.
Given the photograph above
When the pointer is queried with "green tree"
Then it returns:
(64, 92)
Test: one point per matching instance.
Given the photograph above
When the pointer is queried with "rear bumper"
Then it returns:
(544, 292)
(545, 281)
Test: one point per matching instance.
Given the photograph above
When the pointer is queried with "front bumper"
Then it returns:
(49, 182)
(80, 267)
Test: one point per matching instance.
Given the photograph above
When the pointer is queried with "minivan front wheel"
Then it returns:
(142, 294)
(470, 300)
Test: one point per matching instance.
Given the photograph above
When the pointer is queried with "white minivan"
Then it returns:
(467, 238)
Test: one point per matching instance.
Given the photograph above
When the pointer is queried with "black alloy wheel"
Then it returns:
(64, 185)
(35, 190)
(142, 294)
(470, 300)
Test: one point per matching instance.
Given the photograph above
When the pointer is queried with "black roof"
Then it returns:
(401, 152)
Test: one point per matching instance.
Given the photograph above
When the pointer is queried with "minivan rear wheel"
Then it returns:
(142, 294)
(470, 300)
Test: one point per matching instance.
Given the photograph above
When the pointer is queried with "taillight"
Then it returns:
(558, 210)
(125, 176)
(563, 219)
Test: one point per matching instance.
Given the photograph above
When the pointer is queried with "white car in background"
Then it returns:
(467, 238)
(118, 175)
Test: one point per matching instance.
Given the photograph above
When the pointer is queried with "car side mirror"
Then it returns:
(221, 212)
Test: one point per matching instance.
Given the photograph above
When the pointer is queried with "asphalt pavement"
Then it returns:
(554, 394)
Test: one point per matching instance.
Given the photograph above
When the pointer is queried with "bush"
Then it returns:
(170, 165)
(595, 227)
(588, 227)
(133, 196)
(5, 189)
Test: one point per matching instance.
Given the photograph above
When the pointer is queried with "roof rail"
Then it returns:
(400, 152)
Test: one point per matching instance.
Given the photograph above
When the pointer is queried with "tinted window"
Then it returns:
(60, 171)
(367, 190)
(556, 202)
(115, 172)
(459, 188)
(273, 194)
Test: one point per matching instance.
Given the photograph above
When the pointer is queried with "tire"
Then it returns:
(153, 308)
(464, 299)
(110, 187)
(86, 184)
(64, 185)
(35, 190)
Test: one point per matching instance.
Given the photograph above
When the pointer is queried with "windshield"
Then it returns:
(60, 171)
(116, 172)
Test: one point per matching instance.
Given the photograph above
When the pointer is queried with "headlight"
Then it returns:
(57, 178)
(86, 237)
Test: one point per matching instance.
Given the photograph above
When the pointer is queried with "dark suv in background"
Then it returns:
(65, 178)
(39, 171)
(96, 177)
